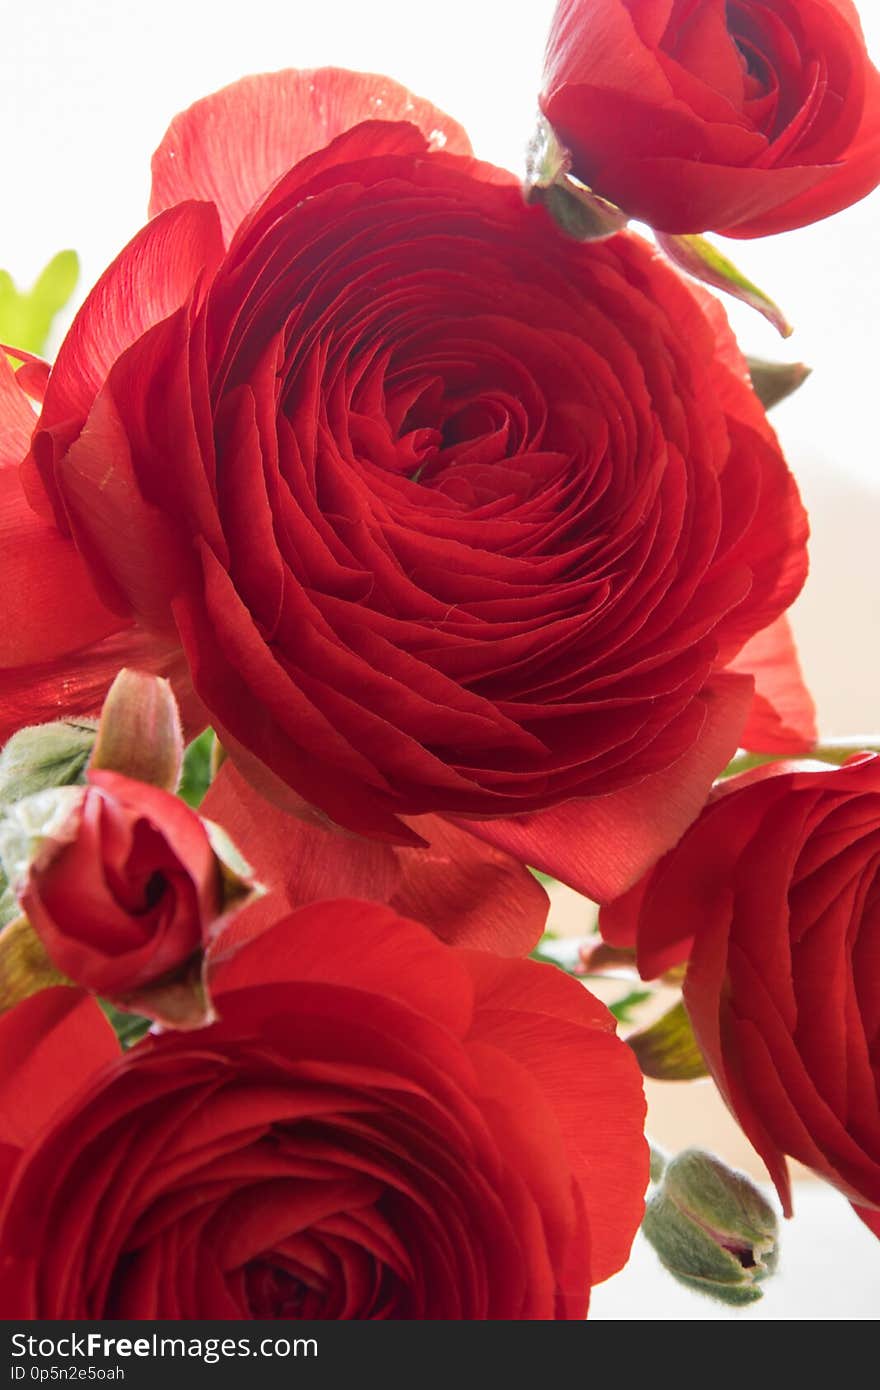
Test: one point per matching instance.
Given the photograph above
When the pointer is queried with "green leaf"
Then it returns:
(774, 381)
(26, 316)
(624, 1008)
(196, 777)
(129, 1028)
(668, 1051)
(547, 880)
(705, 262)
(25, 965)
(44, 756)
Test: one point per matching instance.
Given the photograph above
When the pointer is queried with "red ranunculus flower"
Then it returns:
(775, 895)
(126, 892)
(447, 513)
(377, 1127)
(737, 116)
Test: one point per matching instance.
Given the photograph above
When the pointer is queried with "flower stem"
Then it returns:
(833, 750)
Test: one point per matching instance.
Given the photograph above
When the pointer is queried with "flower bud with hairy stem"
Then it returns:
(711, 1227)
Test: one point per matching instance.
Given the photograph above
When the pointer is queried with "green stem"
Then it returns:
(833, 750)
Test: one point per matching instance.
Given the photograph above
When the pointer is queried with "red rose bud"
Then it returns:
(124, 887)
(712, 1229)
(745, 118)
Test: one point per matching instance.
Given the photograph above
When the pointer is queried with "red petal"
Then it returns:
(230, 147)
(602, 845)
(49, 605)
(77, 685)
(582, 49)
(17, 418)
(51, 1044)
(154, 275)
(394, 958)
(565, 1038)
(783, 716)
(299, 861)
(149, 279)
(842, 184)
(871, 1219)
(468, 893)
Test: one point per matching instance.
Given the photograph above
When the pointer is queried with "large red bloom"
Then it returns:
(446, 513)
(378, 1126)
(774, 894)
(738, 116)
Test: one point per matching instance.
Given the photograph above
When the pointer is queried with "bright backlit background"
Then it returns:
(86, 92)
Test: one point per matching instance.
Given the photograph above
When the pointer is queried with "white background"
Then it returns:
(87, 88)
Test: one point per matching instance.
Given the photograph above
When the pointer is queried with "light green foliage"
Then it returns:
(129, 1028)
(627, 1006)
(197, 769)
(26, 316)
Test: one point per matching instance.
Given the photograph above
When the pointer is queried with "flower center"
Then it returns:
(273, 1292)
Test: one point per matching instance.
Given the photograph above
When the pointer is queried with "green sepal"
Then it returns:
(706, 263)
(667, 1050)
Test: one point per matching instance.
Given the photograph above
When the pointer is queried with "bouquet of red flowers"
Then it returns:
(393, 536)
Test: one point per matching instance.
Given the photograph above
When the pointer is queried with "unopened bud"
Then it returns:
(139, 734)
(712, 1228)
(44, 756)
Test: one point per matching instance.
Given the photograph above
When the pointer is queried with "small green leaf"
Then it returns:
(26, 316)
(773, 381)
(579, 213)
(667, 1050)
(624, 1008)
(129, 1028)
(545, 879)
(705, 262)
(25, 966)
(44, 756)
(196, 777)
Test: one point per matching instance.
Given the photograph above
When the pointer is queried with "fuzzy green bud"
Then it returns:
(44, 756)
(712, 1228)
